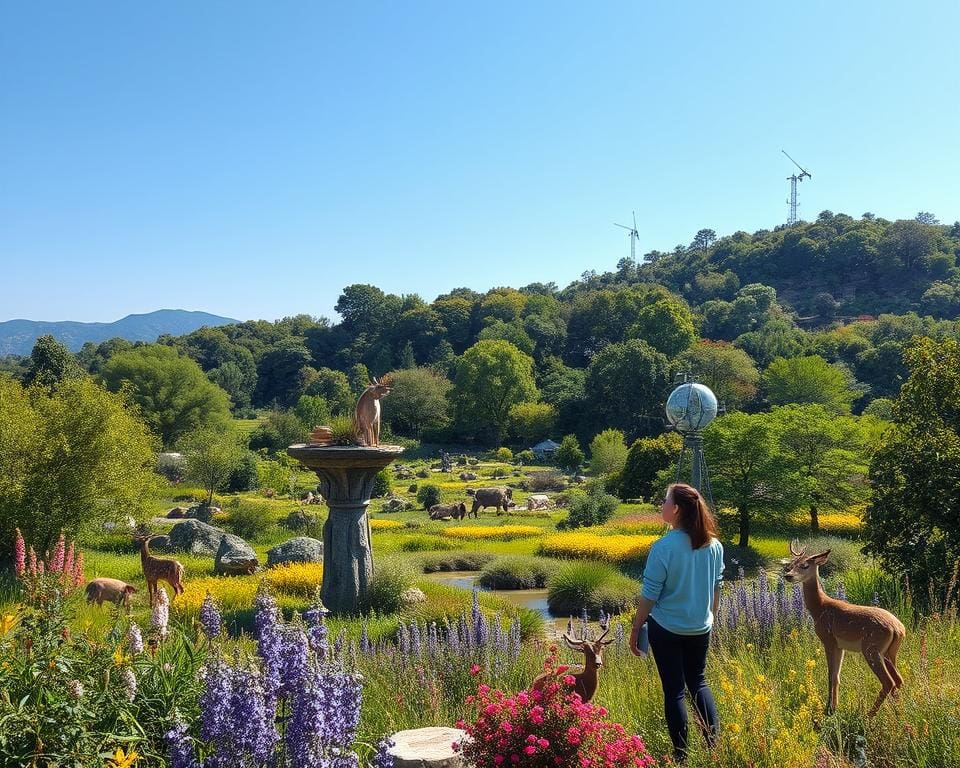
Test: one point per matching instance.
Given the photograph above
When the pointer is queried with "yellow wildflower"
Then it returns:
(735, 727)
(121, 759)
(119, 657)
(6, 623)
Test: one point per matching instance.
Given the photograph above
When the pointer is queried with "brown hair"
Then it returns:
(694, 516)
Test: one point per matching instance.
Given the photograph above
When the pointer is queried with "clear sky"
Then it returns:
(252, 159)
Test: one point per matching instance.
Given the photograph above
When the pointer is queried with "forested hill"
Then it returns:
(17, 337)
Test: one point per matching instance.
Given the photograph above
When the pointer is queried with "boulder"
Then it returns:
(427, 748)
(302, 549)
(195, 537)
(300, 519)
(235, 557)
(202, 512)
(160, 544)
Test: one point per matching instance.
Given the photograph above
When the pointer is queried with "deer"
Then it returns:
(585, 681)
(111, 590)
(159, 569)
(842, 626)
(366, 417)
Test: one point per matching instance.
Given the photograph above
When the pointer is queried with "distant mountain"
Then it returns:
(17, 337)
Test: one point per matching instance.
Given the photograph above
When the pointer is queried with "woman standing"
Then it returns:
(681, 591)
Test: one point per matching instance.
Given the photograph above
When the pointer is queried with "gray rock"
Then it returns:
(160, 544)
(202, 512)
(427, 748)
(300, 519)
(195, 537)
(235, 557)
(302, 549)
(177, 513)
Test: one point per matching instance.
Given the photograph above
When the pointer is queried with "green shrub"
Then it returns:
(382, 484)
(516, 572)
(526, 456)
(428, 495)
(592, 508)
(391, 577)
(425, 543)
(455, 561)
(249, 519)
(546, 480)
(343, 430)
(591, 585)
(504, 454)
(569, 455)
(423, 473)
(244, 477)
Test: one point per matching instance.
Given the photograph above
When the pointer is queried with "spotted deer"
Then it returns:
(159, 569)
(366, 417)
(585, 681)
(843, 626)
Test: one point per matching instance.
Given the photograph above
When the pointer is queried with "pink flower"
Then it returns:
(530, 750)
(475, 669)
(19, 554)
(56, 562)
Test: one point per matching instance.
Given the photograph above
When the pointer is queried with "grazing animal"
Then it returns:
(585, 681)
(538, 501)
(366, 417)
(159, 569)
(842, 626)
(448, 511)
(499, 497)
(111, 590)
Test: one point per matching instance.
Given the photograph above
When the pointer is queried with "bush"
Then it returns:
(845, 555)
(646, 458)
(455, 561)
(249, 519)
(244, 477)
(428, 495)
(516, 572)
(589, 585)
(608, 452)
(382, 484)
(526, 456)
(546, 480)
(569, 455)
(592, 508)
(412, 488)
(504, 454)
(390, 579)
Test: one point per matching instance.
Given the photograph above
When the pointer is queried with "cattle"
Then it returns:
(538, 501)
(500, 497)
(448, 511)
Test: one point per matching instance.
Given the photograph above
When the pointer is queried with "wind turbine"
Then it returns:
(634, 236)
(793, 189)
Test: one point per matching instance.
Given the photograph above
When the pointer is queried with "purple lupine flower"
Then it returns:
(134, 638)
(799, 610)
(269, 640)
(415, 644)
(294, 660)
(180, 752)
(515, 639)
(841, 591)
(253, 718)
(381, 756)
(403, 637)
(603, 620)
(129, 681)
(433, 641)
(453, 637)
(365, 638)
(210, 618)
(317, 632)
(306, 723)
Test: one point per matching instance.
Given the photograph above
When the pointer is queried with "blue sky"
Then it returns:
(252, 159)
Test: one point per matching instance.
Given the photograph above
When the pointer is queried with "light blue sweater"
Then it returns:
(681, 582)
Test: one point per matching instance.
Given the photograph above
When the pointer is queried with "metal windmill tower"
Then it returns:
(793, 189)
(634, 236)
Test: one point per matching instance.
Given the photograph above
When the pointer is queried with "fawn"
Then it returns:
(842, 626)
(585, 681)
(366, 417)
(159, 569)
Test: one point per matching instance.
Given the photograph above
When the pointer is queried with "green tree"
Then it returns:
(748, 471)
(279, 430)
(280, 374)
(625, 386)
(569, 455)
(491, 377)
(211, 457)
(334, 387)
(418, 403)
(667, 326)
(608, 452)
(911, 522)
(50, 363)
(531, 422)
(71, 458)
(312, 410)
(728, 371)
(827, 455)
(646, 459)
(810, 380)
(173, 395)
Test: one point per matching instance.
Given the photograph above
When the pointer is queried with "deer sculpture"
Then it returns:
(842, 626)
(159, 569)
(585, 681)
(366, 417)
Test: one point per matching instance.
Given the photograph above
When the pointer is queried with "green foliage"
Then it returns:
(589, 585)
(503, 454)
(911, 523)
(382, 484)
(418, 403)
(569, 455)
(845, 555)
(425, 543)
(516, 572)
(428, 495)
(667, 326)
(172, 393)
(71, 458)
(244, 476)
(727, 370)
(384, 595)
(50, 363)
(594, 507)
(343, 430)
(210, 458)
(334, 388)
(882, 408)
(646, 459)
(312, 411)
(250, 520)
(810, 380)
(531, 422)
(526, 456)
(608, 452)
(455, 561)
(278, 431)
(491, 377)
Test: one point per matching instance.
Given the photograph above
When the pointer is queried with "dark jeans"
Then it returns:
(681, 660)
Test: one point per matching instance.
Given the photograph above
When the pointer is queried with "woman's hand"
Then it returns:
(644, 606)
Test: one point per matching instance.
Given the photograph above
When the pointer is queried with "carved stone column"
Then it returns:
(347, 474)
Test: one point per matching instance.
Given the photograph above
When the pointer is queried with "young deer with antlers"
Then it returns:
(366, 417)
(159, 569)
(842, 626)
(585, 681)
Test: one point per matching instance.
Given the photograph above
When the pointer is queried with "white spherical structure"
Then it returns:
(691, 407)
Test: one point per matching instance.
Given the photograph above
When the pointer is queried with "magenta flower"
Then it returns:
(19, 555)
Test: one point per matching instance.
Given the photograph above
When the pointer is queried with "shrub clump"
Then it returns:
(592, 586)
(392, 577)
(428, 495)
(382, 484)
(592, 508)
(249, 519)
(516, 572)
(546, 480)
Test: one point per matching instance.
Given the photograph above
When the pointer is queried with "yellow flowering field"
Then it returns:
(840, 522)
(503, 532)
(301, 579)
(230, 592)
(614, 548)
(384, 525)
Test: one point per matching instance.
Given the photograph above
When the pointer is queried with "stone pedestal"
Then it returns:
(427, 748)
(346, 475)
